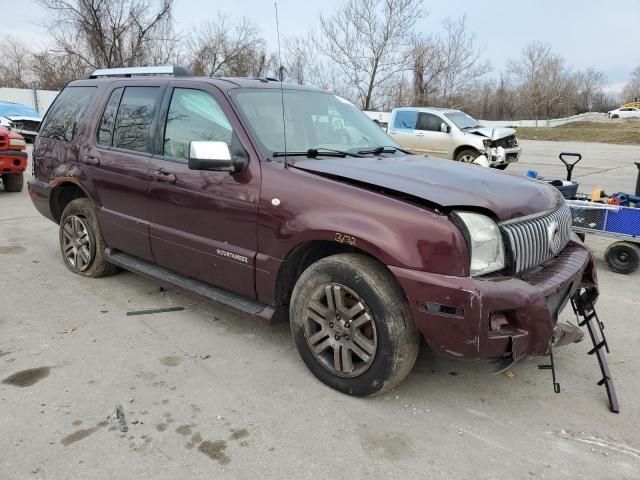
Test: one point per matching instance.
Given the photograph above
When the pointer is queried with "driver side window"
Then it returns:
(193, 115)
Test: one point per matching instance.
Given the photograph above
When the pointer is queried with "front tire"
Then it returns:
(467, 155)
(351, 324)
(81, 242)
(13, 182)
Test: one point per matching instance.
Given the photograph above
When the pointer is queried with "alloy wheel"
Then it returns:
(77, 243)
(340, 330)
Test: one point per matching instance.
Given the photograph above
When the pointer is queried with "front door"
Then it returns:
(203, 223)
(429, 137)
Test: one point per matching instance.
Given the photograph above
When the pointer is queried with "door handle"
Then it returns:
(419, 134)
(163, 176)
(91, 160)
(392, 132)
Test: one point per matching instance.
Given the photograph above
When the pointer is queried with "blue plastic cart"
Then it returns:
(611, 221)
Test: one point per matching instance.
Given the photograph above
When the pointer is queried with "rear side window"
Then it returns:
(405, 119)
(65, 115)
(108, 121)
(138, 106)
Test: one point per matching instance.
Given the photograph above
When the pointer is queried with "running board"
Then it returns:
(188, 285)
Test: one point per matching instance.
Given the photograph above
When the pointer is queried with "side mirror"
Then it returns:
(214, 156)
(444, 128)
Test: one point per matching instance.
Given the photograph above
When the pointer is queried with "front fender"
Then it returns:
(398, 232)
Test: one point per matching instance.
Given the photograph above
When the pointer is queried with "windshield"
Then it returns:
(462, 120)
(17, 109)
(314, 120)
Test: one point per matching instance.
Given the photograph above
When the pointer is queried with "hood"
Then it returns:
(492, 133)
(445, 183)
(15, 118)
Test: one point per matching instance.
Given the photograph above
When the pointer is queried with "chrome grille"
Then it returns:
(531, 239)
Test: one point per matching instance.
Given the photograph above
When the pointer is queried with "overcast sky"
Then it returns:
(603, 35)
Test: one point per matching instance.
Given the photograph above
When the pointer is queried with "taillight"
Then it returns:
(17, 144)
(4, 143)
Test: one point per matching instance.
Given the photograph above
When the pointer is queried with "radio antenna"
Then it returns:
(281, 78)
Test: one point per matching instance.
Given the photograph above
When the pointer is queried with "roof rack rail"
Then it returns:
(139, 71)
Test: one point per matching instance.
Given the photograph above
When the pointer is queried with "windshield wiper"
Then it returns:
(316, 152)
(384, 149)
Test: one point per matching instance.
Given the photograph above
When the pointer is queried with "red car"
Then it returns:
(13, 159)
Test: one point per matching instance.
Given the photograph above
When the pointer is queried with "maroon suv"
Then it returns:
(278, 198)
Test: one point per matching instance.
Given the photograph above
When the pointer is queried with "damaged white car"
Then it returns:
(452, 134)
(22, 119)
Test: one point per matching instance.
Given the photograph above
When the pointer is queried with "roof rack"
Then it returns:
(140, 71)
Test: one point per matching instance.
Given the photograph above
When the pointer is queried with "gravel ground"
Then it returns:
(208, 393)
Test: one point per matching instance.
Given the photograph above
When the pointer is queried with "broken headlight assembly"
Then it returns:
(485, 242)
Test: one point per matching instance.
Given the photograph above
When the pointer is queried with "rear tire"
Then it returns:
(351, 324)
(81, 242)
(623, 257)
(467, 155)
(13, 182)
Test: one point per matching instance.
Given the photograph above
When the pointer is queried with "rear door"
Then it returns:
(203, 223)
(429, 139)
(402, 128)
(119, 165)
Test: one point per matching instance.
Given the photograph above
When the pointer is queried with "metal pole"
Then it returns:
(35, 100)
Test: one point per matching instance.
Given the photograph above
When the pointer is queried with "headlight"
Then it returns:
(485, 243)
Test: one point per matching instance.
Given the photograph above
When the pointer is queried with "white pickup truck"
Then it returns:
(452, 134)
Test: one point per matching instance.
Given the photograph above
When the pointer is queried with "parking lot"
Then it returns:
(209, 393)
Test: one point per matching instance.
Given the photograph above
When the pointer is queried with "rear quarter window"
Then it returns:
(65, 115)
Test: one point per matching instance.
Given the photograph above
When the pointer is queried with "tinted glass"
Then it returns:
(63, 118)
(406, 119)
(194, 115)
(313, 120)
(105, 131)
(135, 116)
(429, 122)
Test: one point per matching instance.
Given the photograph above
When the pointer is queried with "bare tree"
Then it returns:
(427, 64)
(366, 44)
(545, 82)
(53, 71)
(14, 64)
(298, 58)
(226, 47)
(589, 90)
(462, 60)
(631, 91)
(113, 33)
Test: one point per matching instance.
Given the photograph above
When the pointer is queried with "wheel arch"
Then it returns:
(302, 257)
(464, 147)
(64, 192)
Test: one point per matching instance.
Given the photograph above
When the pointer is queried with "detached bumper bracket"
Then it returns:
(583, 307)
(551, 366)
